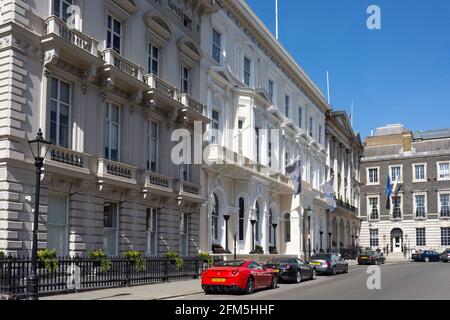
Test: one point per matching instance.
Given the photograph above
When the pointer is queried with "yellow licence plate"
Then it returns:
(276, 270)
(363, 257)
(315, 263)
(218, 280)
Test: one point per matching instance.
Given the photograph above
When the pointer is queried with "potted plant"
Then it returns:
(47, 259)
(258, 250)
(100, 260)
(218, 249)
(206, 257)
(175, 258)
(273, 250)
(136, 259)
(2, 255)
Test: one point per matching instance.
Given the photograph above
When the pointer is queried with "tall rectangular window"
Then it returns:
(240, 135)
(215, 124)
(396, 173)
(373, 238)
(60, 112)
(311, 126)
(270, 89)
(111, 134)
(184, 231)
(443, 170)
(419, 172)
(152, 231)
(258, 141)
(372, 176)
(320, 134)
(287, 102)
(444, 204)
(60, 9)
(153, 59)
(300, 117)
(397, 207)
(445, 236)
(114, 36)
(57, 214)
(419, 204)
(185, 80)
(184, 172)
(152, 162)
(373, 208)
(420, 237)
(216, 45)
(247, 71)
(110, 227)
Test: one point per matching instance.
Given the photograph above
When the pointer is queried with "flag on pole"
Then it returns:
(328, 189)
(396, 185)
(293, 171)
(388, 192)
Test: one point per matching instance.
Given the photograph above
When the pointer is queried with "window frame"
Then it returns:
(415, 193)
(438, 164)
(59, 102)
(368, 182)
(60, 14)
(287, 106)
(373, 237)
(400, 180)
(271, 91)
(216, 46)
(422, 237)
(151, 59)
(287, 231)
(153, 212)
(300, 117)
(414, 179)
(184, 219)
(116, 236)
(66, 226)
(150, 141)
(108, 122)
(440, 193)
(215, 123)
(311, 127)
(447, 236)
(401, 196)
(369, 212)
(108, 35)
(245, 72)
(185, 81)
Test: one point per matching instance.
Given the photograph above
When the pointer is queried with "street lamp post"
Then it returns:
(253, 222)
(308, 213)
(235, 244)
(226, 217)
(321, 237)
(275, 225)
(329, 241)
(39, 148)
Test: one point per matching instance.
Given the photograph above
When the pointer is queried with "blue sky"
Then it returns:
(400, 73)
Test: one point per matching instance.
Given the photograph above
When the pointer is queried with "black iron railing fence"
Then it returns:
(87, 274)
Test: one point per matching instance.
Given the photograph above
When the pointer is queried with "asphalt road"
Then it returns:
(404, 281)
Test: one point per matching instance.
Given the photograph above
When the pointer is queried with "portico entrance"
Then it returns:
(397, 240)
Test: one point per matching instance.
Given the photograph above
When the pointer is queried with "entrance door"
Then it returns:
(397, 244)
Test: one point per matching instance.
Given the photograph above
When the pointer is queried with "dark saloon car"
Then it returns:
(291, 269)
(445, 256)
(371, 257)
(328, 263)
(428, 256)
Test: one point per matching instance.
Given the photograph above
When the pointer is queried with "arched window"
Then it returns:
(257, 222)
(215, 219)
(241, 219)
(287, 227)
(271, 233)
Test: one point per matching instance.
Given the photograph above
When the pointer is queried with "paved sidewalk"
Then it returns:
(145, 292)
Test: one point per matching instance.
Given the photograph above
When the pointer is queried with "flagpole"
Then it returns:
(276, 19)
(328, 87)
(352, 114)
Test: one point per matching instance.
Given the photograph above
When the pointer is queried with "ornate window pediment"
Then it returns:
(189, 49)
(159, 27)
(129, 6)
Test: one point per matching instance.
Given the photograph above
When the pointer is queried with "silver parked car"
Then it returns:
(329, 263)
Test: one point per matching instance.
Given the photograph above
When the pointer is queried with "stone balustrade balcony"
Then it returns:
(67, 162)
(162, 86)
(115, 172)
(114, 59)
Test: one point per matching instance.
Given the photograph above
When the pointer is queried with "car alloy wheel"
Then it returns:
(274, 281)
(427, 259)
(250, 286)
(298, 278)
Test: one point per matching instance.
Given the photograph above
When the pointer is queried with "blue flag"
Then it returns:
(388, 193)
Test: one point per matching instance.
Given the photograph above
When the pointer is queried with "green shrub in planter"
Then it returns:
(136, 257)
(48, 259)
(2, 255)
(171, 255)
(206, 257)
(100, 255)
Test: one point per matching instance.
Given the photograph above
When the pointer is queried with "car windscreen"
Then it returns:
(278, 261)
(230, 263)
(320, 256)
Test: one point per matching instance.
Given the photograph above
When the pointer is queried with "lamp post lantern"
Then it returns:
(39, 148)
(226, 217)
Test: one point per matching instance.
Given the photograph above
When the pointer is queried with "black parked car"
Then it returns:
(329, 263)
(291, 269)
(445, 256)
(371, 257)
(428, 256)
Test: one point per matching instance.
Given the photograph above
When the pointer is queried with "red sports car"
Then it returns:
(234, 276)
